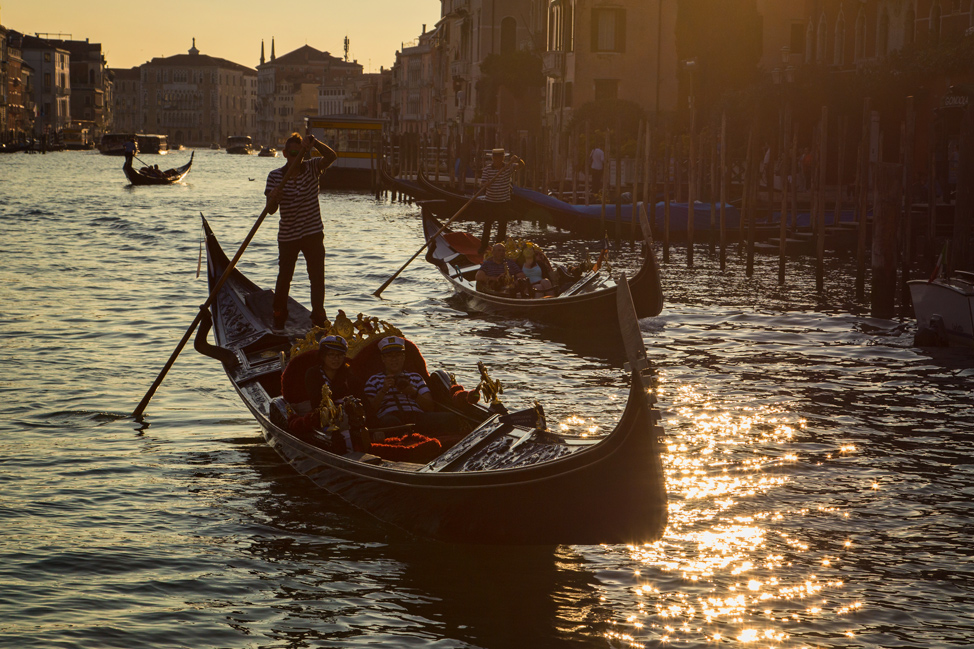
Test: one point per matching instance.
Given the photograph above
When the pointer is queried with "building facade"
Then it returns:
(19, 93)
(296, 85)
(51, 65)
(196, 99)
(91, 86)
(127, 98)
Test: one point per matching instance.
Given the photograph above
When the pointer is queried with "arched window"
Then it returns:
(882, 34)
(554, 25)
(861, 36)
(909, 27)
(838, 55)
(822, 41)
(935, 13)
(809, 42)
(569, 19)
(508, 35)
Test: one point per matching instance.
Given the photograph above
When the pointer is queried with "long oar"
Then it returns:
(137, 413)
(453, 218)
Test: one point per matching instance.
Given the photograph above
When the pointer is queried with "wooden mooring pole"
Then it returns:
(587, 165)
(667, 152)
(691, 185)
(907, 148)
(635, 182)
(862, 202)
(889, 189)
(823, 157)
(723, 190)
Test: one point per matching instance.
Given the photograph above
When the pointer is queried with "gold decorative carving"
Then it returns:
(490, 388)
(330, 414)
(357, 333)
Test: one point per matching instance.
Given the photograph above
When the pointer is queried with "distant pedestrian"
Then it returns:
(596, 159)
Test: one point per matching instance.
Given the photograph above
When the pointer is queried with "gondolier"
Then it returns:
(496, 203)
(300, 230)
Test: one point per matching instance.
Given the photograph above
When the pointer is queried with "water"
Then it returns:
(818, 466)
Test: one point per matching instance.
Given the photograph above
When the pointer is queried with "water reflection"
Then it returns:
(334, 573)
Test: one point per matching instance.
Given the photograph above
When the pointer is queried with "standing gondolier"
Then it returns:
(300, 229)
(496, 204)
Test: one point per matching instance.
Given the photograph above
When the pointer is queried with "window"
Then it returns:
(861, 36)
(838, 55)
(821, 40)
(608, 30)
(47, 57)
(508, 35)
(935, 13)
(909, 27)
(47, 79)
(606, 89)
(809, 42)
(797, 44)
(882, 35)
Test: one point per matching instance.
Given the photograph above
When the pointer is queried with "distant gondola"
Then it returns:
(144, 176)
(508, 480)
(402, 186)
(580, 302)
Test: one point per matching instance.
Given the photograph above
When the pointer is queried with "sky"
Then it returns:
(133, 32)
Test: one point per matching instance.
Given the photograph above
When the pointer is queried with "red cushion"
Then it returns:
(292, 381)
(368, 362)
(408, 448)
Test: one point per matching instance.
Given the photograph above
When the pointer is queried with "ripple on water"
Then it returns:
(818, 466)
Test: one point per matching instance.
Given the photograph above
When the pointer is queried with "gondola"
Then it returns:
(168, 177)
(581, 302)
(529, 205)
(509, 480)
(402, 186)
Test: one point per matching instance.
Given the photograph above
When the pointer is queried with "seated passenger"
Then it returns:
(331, 370)
(536, 273)
(398, 397)
(493, 272)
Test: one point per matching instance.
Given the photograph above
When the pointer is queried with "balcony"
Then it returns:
(459, 68)
(553, 64)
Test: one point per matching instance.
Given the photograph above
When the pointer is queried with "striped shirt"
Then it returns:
(493, 269)
(395, 401)
(300, 211)
(500, 190)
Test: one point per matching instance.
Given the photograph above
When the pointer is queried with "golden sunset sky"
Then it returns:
(133, 32)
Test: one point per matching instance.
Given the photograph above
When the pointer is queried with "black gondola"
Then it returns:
(503, 483)
(402, 186)
(145, 176)
(580, 302)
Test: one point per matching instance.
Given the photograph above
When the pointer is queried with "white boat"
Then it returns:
(944, 310)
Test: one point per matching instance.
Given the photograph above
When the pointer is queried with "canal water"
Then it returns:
(819, 467)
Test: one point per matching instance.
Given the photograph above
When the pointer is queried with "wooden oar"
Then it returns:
(137, 413)
(514, 160)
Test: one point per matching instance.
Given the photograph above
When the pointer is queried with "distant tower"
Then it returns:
(346, 49)
(193, 49)
(272, 49)
(262, 51)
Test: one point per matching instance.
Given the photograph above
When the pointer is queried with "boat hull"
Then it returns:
(585, 500)
(573, 312)
(577, 491)
(952, 301)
